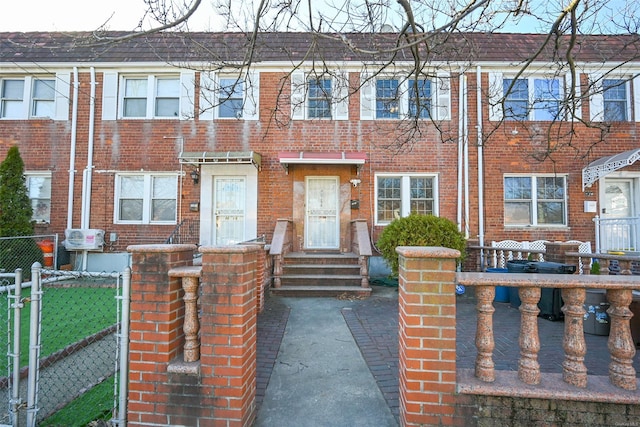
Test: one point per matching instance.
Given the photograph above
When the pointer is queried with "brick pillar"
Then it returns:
(156, 337)
(427, 335)
(228, 331)
(556, 252)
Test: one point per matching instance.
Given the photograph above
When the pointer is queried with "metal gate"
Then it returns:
(67, 363)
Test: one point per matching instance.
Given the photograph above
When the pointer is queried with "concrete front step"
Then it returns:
(327, 280)
(321, 269)
(333, 258)
(322, 291)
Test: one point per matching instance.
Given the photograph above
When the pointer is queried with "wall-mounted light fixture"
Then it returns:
(195, 176)
(355, 182)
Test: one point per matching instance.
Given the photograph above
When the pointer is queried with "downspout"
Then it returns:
(88, 172)
(480, 160)
(465, 119)
(72, 153)
(460, 150)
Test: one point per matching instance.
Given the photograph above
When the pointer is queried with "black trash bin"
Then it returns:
(516, 266)
(551, 298)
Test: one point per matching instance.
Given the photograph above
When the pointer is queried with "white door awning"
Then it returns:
(605, 165)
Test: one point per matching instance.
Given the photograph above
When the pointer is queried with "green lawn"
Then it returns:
(69, 314)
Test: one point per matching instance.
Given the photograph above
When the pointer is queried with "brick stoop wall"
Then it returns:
(220, 389)
(430, 383)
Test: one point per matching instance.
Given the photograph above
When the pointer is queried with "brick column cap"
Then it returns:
(427, 252)
(231, 249)
(161, 248)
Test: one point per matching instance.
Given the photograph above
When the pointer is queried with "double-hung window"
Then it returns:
(39, 191)
(231, 98)
(420, 98)
(387, 99)
(151, 96)
(398, 195)
(614, 93)
(532, 98)
(319, 98)
(146, 198)
(535, 200)
(35, 97)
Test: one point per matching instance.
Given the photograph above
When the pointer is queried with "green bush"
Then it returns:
(419, 230)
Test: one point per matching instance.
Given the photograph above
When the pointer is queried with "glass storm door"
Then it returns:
(322, 228)
(618, 231)
(618, 198)
(229, 211)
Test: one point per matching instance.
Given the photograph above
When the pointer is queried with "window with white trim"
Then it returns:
(229, 96)
(615, 99)
(319, 96)
(538, 200)
(142, 198)
(35, 97)
(398, 195)
(39, 192)
(151, 96)
(534, 98)
(396, 97)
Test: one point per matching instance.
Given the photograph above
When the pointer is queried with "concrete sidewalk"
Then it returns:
(320, 377)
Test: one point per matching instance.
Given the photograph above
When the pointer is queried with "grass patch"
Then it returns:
(69, 314)
(96, 404)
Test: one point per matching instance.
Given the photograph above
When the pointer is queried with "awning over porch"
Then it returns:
(316, 158)
(209, 157)
(605, 165)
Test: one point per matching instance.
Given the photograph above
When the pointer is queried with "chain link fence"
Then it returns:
(78, 355)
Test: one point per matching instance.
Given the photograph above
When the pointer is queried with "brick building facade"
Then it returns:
(115, 134)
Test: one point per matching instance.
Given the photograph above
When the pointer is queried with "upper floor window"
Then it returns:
(151, 96)
(398, 195)
(35, 97)
(146, 198)
(535, 200)
(390, 97)
(319, 96)
(614, 92)
(228, 96)
(231, 97)
(535, 99)
(39, 191)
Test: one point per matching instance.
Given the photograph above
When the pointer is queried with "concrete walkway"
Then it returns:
(320, 377)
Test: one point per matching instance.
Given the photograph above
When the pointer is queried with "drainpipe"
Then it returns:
(460, 151)
(72, 153)
(480, 161)
(87, 173)
(465, 125)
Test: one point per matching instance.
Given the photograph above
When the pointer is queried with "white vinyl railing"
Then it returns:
(617, 234)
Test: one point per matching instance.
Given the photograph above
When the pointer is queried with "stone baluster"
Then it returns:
(363, 261)
(528, 366)
(485, 369)
(621, 371)
(277, 271)
(605, 266)
(191, 324)
(574, 371)
(625, 267)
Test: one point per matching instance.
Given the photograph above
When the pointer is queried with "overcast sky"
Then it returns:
(83, 15)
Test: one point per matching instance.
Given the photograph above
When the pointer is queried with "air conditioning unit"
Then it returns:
(83, 239)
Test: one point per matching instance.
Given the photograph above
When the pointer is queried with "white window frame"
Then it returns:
(532, 98)
(147, 198)
(533, 201)
(210, 88)
(439, 99)
(151, 96)
(37, 217)
(405, 193)
(300, 94)
(238, 94)
(25, 106)
(321, 95)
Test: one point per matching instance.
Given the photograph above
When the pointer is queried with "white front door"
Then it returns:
(322, 222)
(618, 228)
(229, 210)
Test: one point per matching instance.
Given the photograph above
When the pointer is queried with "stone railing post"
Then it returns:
(427, 335)
(621, 371)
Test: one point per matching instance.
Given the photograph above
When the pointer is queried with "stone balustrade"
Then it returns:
(190, 276)
(621, 346)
